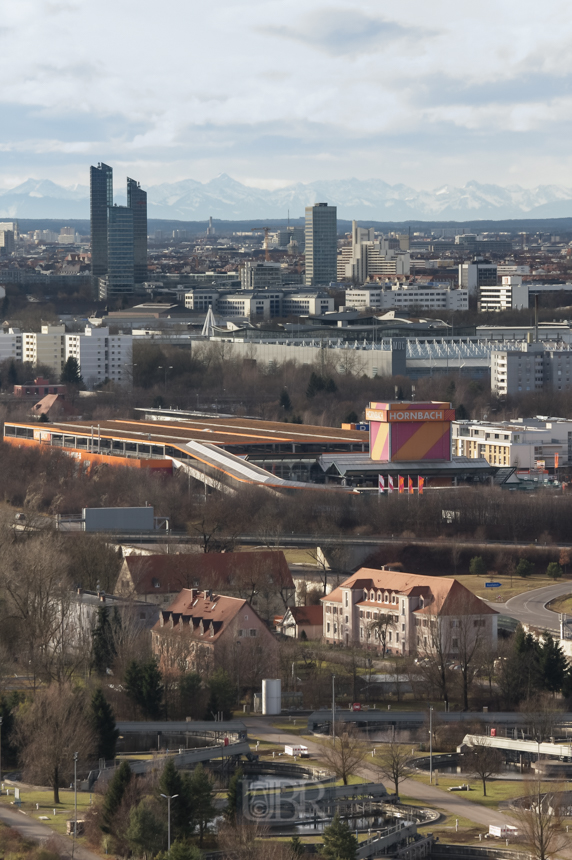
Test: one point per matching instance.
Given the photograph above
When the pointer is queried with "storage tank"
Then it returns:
(271, 696)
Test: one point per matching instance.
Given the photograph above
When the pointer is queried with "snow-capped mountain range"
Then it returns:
(372, 199)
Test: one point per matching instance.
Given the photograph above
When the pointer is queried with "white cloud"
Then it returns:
(419, 93)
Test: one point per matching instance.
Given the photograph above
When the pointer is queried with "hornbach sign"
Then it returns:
(405, 415)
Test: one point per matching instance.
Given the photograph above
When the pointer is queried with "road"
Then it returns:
(450, 803)
(36, 831)
(530, 607)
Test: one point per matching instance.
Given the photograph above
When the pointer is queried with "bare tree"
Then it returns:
(483, 760)
(540, 819)
(344, 753)
(49, 731)
(394, 761)
(379, 627)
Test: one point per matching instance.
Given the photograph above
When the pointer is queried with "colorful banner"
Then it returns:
(556, 460)
(410, 484)
(390, 484)
(381, 483)
(401, 483)
(420, 485)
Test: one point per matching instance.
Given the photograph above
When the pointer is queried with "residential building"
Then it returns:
(365, 258)
(202, 630)
(39, 387)
(262, 578)
(407, 297)
(525, 443)
(321, 244)
(101, 356)
(405, 614)
(11, 345)
(258, 276)
(7, 244)
(477, 273)
(302, 622)
(80, 615)
(510, 293)
(100, 199)
(12, 227)
(46, 347)
(528, 366)
(137, 202)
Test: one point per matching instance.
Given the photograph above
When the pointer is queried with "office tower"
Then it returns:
(476, 274)
(321, 244)
(137, 202)
(100, 198)
(120, 272)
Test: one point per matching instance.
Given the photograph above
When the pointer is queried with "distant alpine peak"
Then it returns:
(362, 199)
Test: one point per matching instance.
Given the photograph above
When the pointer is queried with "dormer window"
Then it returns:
(372, 595)
(379, 597)
(386, 597)
(365, 594)
(421, 602)
(394, 598)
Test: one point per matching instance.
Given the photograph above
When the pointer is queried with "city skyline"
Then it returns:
(286, 92)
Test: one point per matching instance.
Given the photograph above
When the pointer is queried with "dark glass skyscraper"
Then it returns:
(137, 202)
(120, 277)
(321, 244)
(100, 198)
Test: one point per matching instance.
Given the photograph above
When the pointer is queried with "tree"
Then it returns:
(143, 685)
(173, 783)
(181, 850)
(483, 760)
(114, 795)
(285, 401)
(147, 830)
(553, 664)
(339, 841)
(12, 374)
(103, 648)
(315, 384)
(297, 847)
(233, 796)
(554, 571)
(394, 762)
(477, 567)
(540, 819)
(379, 627)
(49, 730)
(524, 568)
(71, 373)
(344, 753)
(103, 725)
(202, 799)
(564, 559)
(222, 695)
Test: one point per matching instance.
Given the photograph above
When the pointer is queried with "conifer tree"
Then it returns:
(114, 795)
(103, 723)
(339, 841)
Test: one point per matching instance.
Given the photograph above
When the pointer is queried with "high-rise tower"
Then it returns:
(321, 244)
(100, 197)
(120, 274)
(137, 202)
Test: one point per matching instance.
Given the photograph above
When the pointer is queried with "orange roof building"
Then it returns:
(405, 613)
(201, 631)
(303, 622)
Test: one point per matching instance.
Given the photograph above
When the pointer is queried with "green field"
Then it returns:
(45, 801)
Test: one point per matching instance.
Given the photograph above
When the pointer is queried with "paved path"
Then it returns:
(37, 831)
(450, 803)
(530, 607)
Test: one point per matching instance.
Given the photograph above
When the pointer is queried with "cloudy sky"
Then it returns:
(287, 90)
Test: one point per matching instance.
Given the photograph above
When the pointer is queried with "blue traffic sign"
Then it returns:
(493, 584)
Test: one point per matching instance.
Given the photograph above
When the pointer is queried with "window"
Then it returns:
(455, 644)
(372, 595)
(454, 623)
(386, 597)
(328, 627)
(403, 607)
(479, 622)
(253, 631)
(394, 598)
(347, 598)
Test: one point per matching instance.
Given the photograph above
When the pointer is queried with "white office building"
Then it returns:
(11, 345)
(407, 297)
(477, 273)
(510, 293)
(101, 356)
(259, 276)
(526, 443)
(267, 304)
(365, 258)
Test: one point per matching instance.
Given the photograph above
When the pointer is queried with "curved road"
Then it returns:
(530, 607)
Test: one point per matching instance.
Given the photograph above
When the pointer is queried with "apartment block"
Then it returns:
(525, 367)
(526, 443)
(46, 347)
(11, 345)
(477, 273)
(101, 356)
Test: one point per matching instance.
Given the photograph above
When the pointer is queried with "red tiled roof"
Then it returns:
(164, 574)
(198, 615)
(309, 615)
(443, 595)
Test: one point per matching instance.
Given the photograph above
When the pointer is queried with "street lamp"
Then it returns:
(75, 794)
(169, 798)
(431, 746)
(0, 749)
(166, 369)
(333, 707)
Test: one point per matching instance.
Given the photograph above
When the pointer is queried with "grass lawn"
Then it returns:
(45, 801)
(561, 604)
(476, 584)
(497, 789)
